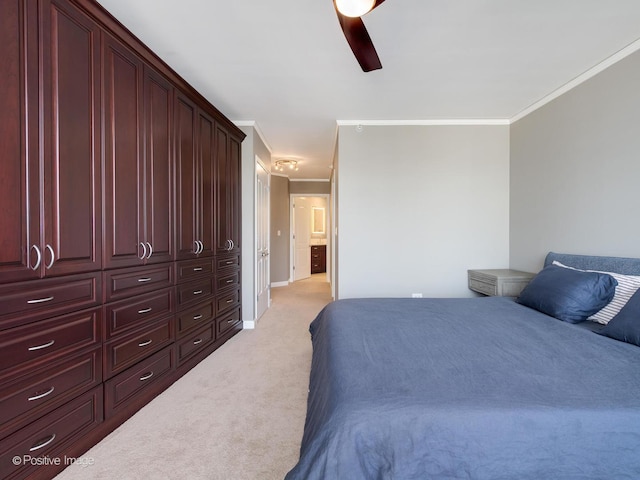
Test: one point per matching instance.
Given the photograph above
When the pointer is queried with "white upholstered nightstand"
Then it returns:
(498, 282)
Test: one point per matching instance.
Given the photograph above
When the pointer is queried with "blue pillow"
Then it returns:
(625, 326)
(567, 294)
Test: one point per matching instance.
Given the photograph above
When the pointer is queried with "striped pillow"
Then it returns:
(627, 286)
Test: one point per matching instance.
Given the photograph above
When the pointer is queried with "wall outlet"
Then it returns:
(416, 295)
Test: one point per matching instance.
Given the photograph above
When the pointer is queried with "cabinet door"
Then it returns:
(158, 96)
(234, 191)
(19, 173)
(187, 201)
(206, 183)
(227, 191)
(124, 167)
(71, 94)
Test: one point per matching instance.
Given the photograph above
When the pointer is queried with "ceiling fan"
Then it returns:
(349, 13)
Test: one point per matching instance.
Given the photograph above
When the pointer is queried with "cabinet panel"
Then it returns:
(186, 177)
(206, 183)
(71, 85)
(136, 379)
(26, 302)
(50, 339)
(32, 396)
(158, 103)
(124, 169)
(134, 281)
(19, 172)
(227, 191)
(124, 352)
(194, 292)
(229, 322)
(122, 316)
(194, 317)
(48, 436)
(196, 342)
(193, 269)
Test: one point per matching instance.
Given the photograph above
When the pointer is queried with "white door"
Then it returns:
(262, 240)
(302, 235)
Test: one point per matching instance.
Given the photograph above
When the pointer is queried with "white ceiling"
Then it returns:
(285, 64)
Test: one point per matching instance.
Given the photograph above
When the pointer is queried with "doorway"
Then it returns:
(263, 290)
(309, 227)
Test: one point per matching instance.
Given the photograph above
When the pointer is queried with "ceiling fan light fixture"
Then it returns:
(354, 8)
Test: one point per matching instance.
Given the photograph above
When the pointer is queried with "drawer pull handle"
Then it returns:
(53, 256)
(44, 443)
(197, 269)
(233, 320)
(146, 376)
(230, 300)
(197, 292)
(145, 310)
(144, 279)
(40, 347)
(197, 342)
(230, 262)
(39, 259)
(230, 281)
(197, 317)
(42, 395)
(39, 300)
(144, 344)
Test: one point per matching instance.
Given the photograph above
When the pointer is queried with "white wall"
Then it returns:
(418, 206)
(575, 171)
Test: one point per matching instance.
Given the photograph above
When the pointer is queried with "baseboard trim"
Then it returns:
(279, 284)
(248, 324)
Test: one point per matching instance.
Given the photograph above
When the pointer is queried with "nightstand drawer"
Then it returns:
(482, 287)
(498, 282)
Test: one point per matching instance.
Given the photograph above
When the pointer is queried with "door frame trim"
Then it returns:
(292, 242)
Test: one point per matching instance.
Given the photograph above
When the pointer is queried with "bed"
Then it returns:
(473, 388)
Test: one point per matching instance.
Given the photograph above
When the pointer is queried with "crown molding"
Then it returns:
(592, 72)
(256, 127)
(433, 122)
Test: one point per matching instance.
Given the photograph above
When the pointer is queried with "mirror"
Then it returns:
(317, 220)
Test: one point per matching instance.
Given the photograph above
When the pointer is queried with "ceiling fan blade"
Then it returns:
(360, 42)
(377, 4)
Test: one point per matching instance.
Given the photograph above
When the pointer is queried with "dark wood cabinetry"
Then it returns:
(120, 229)
(138, 169)
(195, 167)
(227, 191)
(318, 258)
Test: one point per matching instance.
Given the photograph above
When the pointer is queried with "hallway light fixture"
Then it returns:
(354, 8)
(286, 163)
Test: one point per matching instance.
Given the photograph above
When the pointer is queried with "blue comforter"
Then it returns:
(477, 388)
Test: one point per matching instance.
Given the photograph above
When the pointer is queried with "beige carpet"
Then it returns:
(237, 415)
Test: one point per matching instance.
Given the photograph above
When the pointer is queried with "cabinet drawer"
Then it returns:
(25, 302)
(35, 395)
(124, 352)
(50, 339)
(483, 287)
(228, 322)
(192, 269)
(225, 302)
(133, 381)
(133, 281)
(230, 280)
(50, 435)
(125, 315)
(196, 342)
(194, 292)
(194, 317)
(228, 261)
